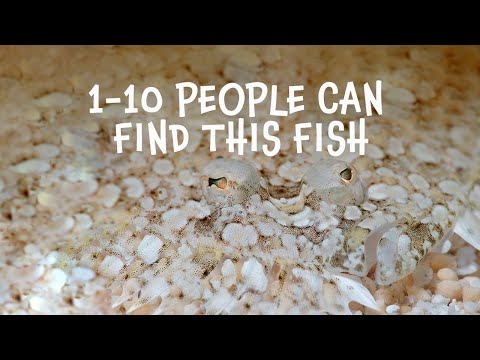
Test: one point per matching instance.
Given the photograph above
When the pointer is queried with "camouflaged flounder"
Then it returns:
(254, 234)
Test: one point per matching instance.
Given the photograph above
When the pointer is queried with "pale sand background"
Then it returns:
(61, 195)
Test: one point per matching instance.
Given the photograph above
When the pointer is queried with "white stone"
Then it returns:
(27, 211)
(31, 249)
(418, 182)
(62, 224)
(135, 187)
(352, 213)
(267, 308)
(385, 172)
(174, 219)
(110, 266)
(157, 287)
(51, 258)
(472, 281)
(242, 57)
(449, 187)
(265, 229)
(151, 182)
(32, 166)
(471, 307)
(228, 268)
(140, 222)
(253, 275)
(55, 99)
(239, 235)
(147, 203)
(186, 178)
(84, 221)
(384, 191)
(195, 209)
(376, 219)
(422, 201)
(219, 302)
(2, 184)
(185, 251)
(392, 309)
(375, 152)
(77, 173)
(138, 159)
(40, 305)
(422, 275)
(46, 151)
(163, 167)
(76, 140)
(466, 261)
(149, 248)
(368, 206)
(399, 96)
(404, 242)
(423, 153)
(55, 279)
(395, 147)
(109, 195)
(440, 215)
(458, 159)
(112, 111)
(215, 283)
(82, 274)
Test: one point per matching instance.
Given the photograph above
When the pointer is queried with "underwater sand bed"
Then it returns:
(73, 211)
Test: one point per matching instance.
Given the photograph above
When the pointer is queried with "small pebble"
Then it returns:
(135, 187)
(56, 279)
(471, 307)
(27, 211)
(83, 221)
(254, 276)
(83, 274)
(32, 166)
(147, 203)
(110, 266)
(46, 151)
(385, 295)
(450, 289)
(447, 274)
(163, 167)
(392, 309)
(471, 294)
(40, 305)
(440, 261)
(109, 195)
(419, 293)
(149, 248)
(54, 100)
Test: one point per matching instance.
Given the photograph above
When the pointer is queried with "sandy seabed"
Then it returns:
(61, 180)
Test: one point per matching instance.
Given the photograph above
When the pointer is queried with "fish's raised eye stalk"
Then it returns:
(221, 183)
(346, 174)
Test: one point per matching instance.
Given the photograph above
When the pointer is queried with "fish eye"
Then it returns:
(221, 183)
(346, 174)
